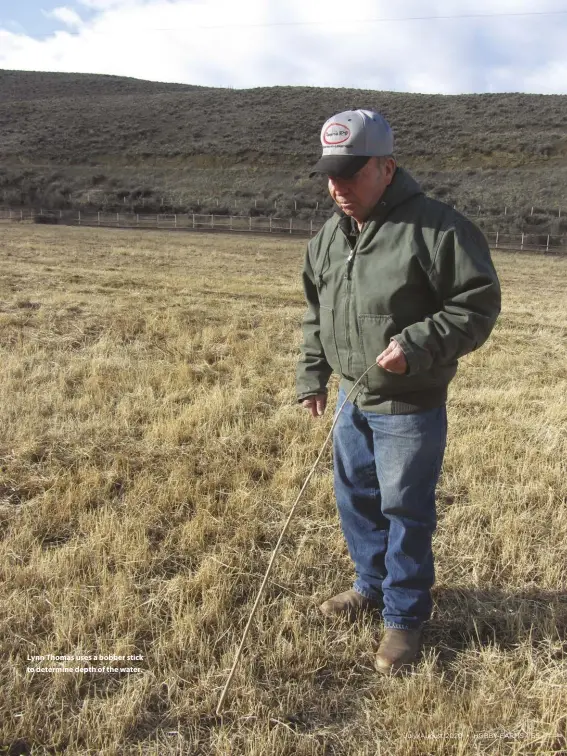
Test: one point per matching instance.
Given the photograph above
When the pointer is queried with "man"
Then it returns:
(404, 283)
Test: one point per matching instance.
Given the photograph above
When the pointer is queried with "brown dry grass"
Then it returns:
(151, 447)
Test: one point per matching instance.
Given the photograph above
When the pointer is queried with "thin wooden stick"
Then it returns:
(275, 551)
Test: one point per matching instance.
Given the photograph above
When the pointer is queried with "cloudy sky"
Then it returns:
(496, 45)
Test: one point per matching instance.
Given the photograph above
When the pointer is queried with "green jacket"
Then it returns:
(420, 273)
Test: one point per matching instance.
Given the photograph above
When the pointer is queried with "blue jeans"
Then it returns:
(385, 471)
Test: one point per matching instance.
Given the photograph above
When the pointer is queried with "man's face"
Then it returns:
(357, 196)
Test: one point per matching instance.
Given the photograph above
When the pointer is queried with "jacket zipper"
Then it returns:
(350, 260)
(349, 264)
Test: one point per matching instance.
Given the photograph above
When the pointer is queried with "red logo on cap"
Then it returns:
(336, 133)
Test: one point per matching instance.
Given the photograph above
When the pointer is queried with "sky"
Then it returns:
(363, 44)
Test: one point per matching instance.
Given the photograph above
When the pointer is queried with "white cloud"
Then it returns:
(68, 16)
(127, 37)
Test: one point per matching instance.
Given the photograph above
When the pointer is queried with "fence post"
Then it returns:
(532, 212)
(193, 220)
(212, 221)
(311, 227)
(547, 247)
(290, 227)
(175, 219)
(98, 215)
(79, 217)
(270, 223)
(295, 204)
(497, 240)
(522, 245)
(117, 219)
(317, 205)
(250, 223)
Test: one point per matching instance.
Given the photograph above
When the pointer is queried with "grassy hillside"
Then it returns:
(69, 139)
(151, 449)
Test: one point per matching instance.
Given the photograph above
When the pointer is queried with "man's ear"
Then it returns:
(391, 168)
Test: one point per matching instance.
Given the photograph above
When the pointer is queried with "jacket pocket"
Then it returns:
(375, 332)
(328, 337)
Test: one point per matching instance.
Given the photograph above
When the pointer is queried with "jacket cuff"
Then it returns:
(312, 392)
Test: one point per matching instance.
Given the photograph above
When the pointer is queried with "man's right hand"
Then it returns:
(316, 404)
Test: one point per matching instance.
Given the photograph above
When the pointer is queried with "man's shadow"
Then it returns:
(462, 618)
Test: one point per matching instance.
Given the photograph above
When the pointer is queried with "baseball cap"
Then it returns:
(350, 139)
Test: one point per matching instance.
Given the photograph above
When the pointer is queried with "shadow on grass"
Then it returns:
(464, 617)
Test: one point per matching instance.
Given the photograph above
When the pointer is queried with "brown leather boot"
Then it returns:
(350, 604)
(398, 649)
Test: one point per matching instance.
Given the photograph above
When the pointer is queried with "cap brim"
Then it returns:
(342, 166)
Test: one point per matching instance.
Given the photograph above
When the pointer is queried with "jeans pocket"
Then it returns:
(328, 337)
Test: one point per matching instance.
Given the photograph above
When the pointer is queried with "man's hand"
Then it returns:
(316, 404)
(393, 359)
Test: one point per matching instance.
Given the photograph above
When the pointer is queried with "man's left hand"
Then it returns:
(393, 359)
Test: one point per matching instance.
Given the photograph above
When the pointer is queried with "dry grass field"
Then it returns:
(151, 448)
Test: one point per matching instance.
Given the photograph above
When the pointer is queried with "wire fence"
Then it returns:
(251, 225)
(108, 201)
(188, 221)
